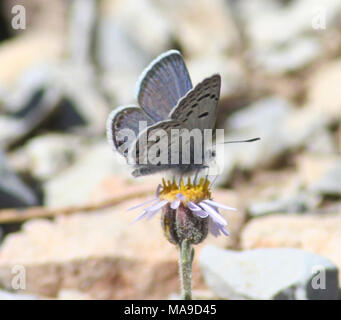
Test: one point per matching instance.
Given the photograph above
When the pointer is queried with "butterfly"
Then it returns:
(169, 107)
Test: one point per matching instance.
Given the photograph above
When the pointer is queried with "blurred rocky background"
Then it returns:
(64, 193)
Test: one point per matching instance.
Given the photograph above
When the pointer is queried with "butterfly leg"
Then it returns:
(180, 178)
(196, 176)
(206, 176)
(214, 181)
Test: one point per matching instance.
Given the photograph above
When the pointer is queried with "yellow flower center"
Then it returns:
(192, 192)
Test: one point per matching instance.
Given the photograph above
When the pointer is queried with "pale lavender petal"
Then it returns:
(213, 214)
(214, 228)
(152, 214)
(142, 204)
(181, 197)
(197, 210)
(219, 205)
(141, 216)
(175, 204)
(201, 213)
(151, 211)
(157, 206)
(193, 207)
(224, 231)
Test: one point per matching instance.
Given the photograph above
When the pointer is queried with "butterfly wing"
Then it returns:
(162, 84)
(198, 108)
(152, 150)
(123, 120)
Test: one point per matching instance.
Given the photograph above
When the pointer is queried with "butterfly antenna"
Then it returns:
(240, 141)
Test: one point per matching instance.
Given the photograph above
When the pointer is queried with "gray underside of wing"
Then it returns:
(162, 84)
(165, 146)
(124, 125)
(198, 109)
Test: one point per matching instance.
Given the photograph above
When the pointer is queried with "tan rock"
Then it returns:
(101, 255)
(317, 234)
(37, 48)
(312, 167)
(324, 95)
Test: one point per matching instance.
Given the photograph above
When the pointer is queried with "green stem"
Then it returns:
(185, 266)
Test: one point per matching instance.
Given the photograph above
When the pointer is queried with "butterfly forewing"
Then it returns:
(163, 83)
(198, 109)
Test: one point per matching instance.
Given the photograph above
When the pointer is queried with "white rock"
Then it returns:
(288, 21)
(202, 27)
(142, 21)
(47, 155)
(294, 56)
(280, 126)
(230, 70)
(282, 273)
(329, 184)
(74, 185)
(250, 123)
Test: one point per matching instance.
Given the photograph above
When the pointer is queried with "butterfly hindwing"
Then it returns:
(152, 151)
(162, 84)
(121, 119)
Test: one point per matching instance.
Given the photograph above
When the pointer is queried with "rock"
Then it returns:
(74, 185)
(249, 123)
(4, 295)
(295, 56)
(36, 111)
(121, 61)
(285, 129)
(318, 234)
(13, 191)
(154, 34)
(102, 255)
(312, 167)
(124, 57)
(84, 102)
(330, 183)
(65, 294)
(322, 142)
(28, 85)
(230, 70)
(202, 27)
(281, 273)
(45, 156)
(320, 174)
(298, 203)
(288, 21)
(298, 34)
(323, 94)
(101, 260)
(39, 47)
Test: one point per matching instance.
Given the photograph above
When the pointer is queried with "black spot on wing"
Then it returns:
(203, 115)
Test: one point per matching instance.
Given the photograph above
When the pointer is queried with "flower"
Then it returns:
(188, 211)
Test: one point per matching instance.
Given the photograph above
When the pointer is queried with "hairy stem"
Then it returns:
(185, 269)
